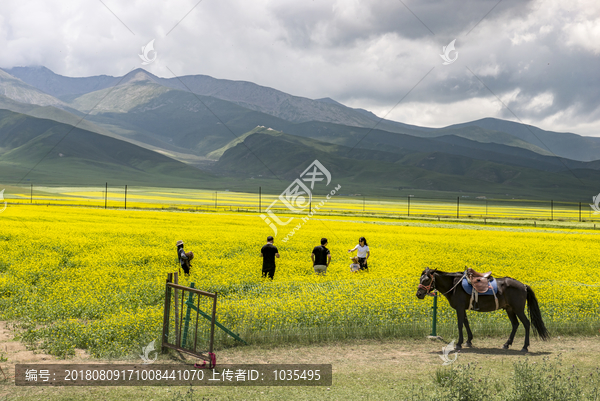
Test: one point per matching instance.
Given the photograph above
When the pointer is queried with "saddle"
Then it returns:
(479, 281)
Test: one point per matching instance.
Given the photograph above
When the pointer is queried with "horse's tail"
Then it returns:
(535, 315)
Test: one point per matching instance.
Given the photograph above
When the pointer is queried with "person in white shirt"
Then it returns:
(363, 253)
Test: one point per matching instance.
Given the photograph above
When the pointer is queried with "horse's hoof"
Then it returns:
(468, 344)
(524, 350)
(505, 346)
(458, 346)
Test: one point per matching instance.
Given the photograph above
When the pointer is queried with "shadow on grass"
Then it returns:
(497, 351)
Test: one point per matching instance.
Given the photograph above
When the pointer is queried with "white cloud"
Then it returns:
(585, 34)
(438, 115)
(519, 38)
(540, 102)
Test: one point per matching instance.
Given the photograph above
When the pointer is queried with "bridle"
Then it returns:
(427, 288)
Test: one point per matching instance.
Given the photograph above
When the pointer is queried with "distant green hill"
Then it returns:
(59, 86)
(170, 119)
(162, 122)
(563, 144)
(19, 91)
(374, 139)
(60, 153)
(479, 134)
(179, 122)
(274, 154)
(295, 109)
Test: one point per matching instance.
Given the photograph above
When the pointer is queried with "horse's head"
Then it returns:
(427, 283)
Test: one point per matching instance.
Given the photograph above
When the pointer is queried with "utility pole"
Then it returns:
(105, 195)
(259, 199)
(125, 197)
(457, 206)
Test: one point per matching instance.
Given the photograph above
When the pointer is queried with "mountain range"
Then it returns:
(197, 130)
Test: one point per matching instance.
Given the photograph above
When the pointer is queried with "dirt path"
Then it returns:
(363, 369)
(16, 352)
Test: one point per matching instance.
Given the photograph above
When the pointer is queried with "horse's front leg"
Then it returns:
(460, 314)
(469, 333)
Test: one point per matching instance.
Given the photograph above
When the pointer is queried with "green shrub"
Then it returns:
(547, 381)
(530, 381)
(462, 382)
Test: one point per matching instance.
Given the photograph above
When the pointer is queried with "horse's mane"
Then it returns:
(457, 274)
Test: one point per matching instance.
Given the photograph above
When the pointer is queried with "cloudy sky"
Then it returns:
(533, 61)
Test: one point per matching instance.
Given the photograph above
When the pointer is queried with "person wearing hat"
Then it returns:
(269, 252)
(184, 258)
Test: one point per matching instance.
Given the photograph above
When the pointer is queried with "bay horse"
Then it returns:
(512, 296)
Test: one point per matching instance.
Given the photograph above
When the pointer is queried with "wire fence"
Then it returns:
(463, 207)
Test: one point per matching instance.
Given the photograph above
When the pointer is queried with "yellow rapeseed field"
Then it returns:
(95, 279)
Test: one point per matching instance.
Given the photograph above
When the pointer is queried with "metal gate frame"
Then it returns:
(181, 340)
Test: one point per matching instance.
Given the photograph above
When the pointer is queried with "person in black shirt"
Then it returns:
(321, 257)
(269, 252)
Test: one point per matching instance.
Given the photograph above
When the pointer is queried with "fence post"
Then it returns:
(125, 197)
(434, 321)
(105, 195)
(188, 316)
(167, 313)
(212, 324)
(457, 206)
(177, 336)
